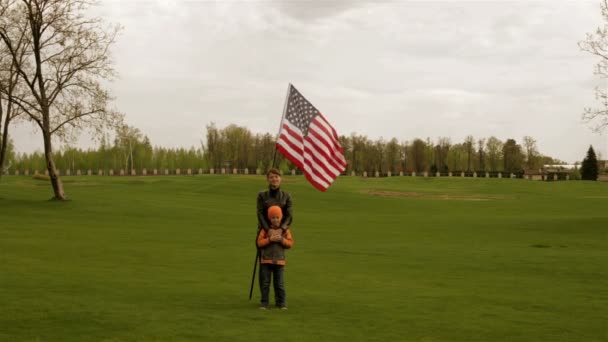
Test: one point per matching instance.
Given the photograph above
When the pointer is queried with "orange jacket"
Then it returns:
(276, 249)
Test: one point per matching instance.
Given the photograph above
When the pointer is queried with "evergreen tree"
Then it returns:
(589, 169)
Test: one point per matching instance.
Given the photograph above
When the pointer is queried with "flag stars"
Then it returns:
(300, 112)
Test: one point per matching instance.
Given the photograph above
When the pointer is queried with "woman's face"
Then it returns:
(274, 180)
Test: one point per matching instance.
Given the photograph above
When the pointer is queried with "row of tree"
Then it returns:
(237, 147)
(483, 154)
(131, 155)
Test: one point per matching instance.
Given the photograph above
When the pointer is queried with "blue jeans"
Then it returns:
(266, 270)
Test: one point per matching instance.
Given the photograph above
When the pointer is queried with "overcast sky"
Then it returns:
(387, 69)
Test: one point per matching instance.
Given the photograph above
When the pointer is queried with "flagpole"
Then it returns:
(257, 254)
(274, 156)
(255, 264)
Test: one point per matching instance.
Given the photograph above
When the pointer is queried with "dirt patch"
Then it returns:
(540, 245)
(454, 197)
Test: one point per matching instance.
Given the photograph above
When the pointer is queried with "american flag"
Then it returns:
(308, 140)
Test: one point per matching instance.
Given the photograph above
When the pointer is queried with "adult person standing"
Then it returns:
(274, 196)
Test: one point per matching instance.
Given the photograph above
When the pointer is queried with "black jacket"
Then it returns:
(267, 199)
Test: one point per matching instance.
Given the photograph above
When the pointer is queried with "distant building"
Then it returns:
(560, 167)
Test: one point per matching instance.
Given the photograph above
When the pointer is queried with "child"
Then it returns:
(272, 244)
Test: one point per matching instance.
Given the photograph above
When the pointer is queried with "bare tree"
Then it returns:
(393, 155)
(8, 82)
(127, 138)
(469, 145)
(531, 152)
(237, 142)
(346, 144)
(456, 156)
(405, 146)
(359, 143)
(513, 158)
(66, 58)
(482, 162)
(9, 85)
(378, 155)
(442, 150)
(596, 43)
(494, 152)
(214, 146)
(418, 159)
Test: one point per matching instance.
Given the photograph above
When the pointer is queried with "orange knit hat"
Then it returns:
(275, 210)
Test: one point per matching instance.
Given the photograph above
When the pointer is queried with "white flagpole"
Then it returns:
(274, 157)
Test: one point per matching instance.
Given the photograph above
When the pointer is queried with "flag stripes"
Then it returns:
(309, 141)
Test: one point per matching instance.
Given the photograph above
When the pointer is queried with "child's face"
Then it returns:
(275, 220)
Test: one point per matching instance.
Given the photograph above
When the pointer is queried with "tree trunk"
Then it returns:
(2, 150)
(4, 143)
(35, 21)
(50, 166)
(4, 127)
(132, 163)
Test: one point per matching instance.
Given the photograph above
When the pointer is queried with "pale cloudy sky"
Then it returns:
(403, 69)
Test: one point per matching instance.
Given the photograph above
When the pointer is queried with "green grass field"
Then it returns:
(392, 259)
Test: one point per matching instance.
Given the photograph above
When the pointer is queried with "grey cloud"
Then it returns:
(312, 10)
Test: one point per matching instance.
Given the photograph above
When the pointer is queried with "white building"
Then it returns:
(560, 167)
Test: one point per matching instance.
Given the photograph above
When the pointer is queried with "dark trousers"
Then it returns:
(266, 270)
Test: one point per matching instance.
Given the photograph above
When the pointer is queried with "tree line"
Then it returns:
(442, 155)
(236, 147)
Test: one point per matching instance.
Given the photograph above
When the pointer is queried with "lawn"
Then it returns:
(391, 259)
